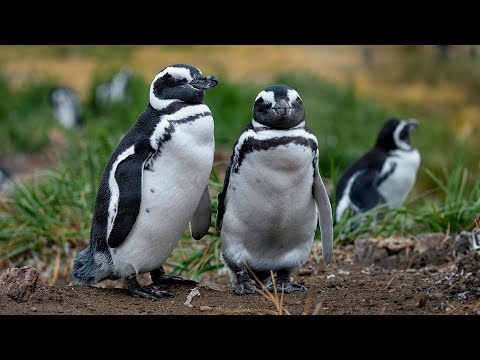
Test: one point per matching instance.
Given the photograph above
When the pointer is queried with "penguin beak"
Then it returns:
(204, 82)
(412, 125)
(281, 107)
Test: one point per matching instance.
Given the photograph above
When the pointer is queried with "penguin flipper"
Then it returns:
(325, 214)
(221, 206)
(128, 177)
(364, 193)
(201, 219)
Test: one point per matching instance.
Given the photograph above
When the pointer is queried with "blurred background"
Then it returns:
(50, 168)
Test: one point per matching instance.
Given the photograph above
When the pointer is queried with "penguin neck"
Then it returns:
(258, 126)
(171, 108)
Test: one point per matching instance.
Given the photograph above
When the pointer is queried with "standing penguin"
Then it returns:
(154, 185)
(267, 209)
(384, 175)
(114, 90)
(66, 107)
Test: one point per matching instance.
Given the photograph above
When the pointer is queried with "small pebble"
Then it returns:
(205, 308)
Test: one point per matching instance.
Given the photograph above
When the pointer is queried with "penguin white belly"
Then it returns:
(171, 191)
(397, 185)
(66, 116)
(271, 216)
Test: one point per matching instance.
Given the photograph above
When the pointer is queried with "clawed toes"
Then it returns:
(245, 289)
(151, 293)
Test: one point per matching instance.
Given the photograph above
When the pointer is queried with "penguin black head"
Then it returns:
(395, 134)
(278, 107)
(179, 82)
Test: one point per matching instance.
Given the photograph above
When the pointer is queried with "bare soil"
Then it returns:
(434, 282)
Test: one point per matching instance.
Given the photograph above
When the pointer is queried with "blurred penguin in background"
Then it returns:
(5, 179)
(113, 91)
(66, 107)
(383, 175)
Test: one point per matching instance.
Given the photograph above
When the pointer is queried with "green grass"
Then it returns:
(25, 118)
(47, 214)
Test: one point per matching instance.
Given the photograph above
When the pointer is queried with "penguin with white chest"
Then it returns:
(153, 186)
(273, 196)
(66, 107)
(384, 175)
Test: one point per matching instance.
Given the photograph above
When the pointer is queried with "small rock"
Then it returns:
(19, 284)
(343, 272)
(33, 308)
(205, 308)
(331, 277)
(463, 295)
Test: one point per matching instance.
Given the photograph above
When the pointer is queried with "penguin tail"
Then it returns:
(90, 267)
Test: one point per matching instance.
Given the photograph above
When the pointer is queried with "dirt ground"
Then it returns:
(417, 276)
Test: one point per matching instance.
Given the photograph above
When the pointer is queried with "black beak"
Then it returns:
(204, 82)
(412, 125)
(281, 107)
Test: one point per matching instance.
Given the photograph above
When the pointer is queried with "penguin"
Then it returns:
(384, 175)
(273, 196)
(154, 185)
(5, 178)
(113, 91)
(66, 107)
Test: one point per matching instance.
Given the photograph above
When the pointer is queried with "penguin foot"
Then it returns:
(159, 278)
(245, 288)
(244, 285)
(284, 284)
(151, 292)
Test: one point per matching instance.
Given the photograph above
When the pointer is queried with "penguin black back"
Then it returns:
(384, 174)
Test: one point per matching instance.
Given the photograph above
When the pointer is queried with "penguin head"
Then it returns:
(395, 134)
(61, 96)
(179, 82)
(278, 107)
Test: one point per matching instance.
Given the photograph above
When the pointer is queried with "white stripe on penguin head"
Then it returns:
(267, 96)
(292, 96)
(403, 145)
(182, 73)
